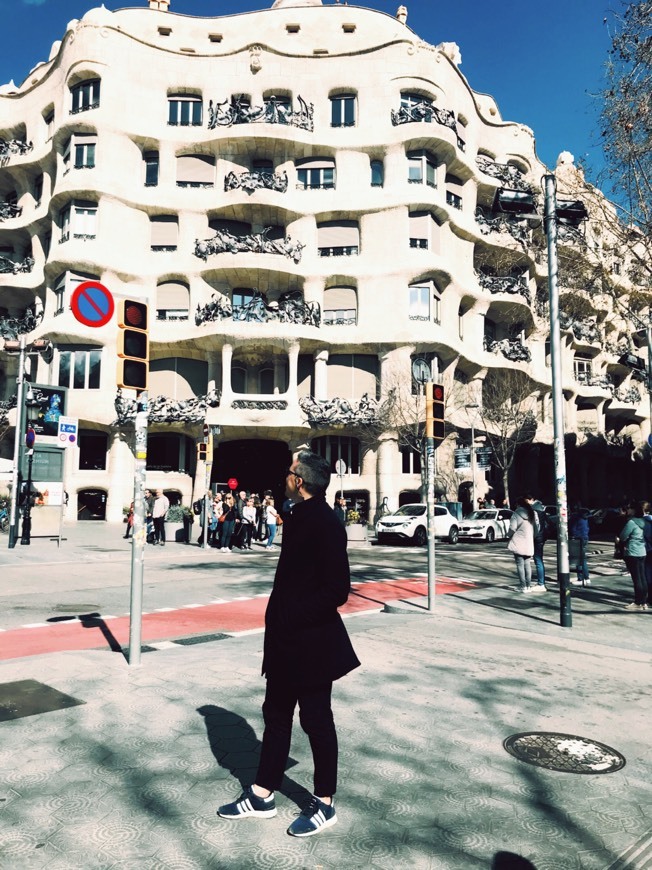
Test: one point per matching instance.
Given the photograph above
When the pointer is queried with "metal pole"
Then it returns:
(472, 466)
(563, 568)
(430, 496)
(139, 532)
(648, 335)
(18, 445)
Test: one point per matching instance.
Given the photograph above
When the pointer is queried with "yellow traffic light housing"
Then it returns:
(133, 345)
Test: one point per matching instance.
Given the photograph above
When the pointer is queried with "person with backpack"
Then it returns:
(578, 532)
(632, 537)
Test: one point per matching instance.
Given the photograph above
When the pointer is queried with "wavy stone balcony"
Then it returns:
(238, 111)
(256, 243)
(290, 308)
(504, 284)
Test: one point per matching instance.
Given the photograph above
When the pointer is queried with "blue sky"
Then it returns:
(542, 61)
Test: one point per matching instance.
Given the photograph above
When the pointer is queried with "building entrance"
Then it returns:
(256, 464)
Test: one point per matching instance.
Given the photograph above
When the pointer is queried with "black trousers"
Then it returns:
(159, 529)
(316, 718)
(636, 567)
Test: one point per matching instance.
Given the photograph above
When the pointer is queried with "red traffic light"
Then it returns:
(438, 393)
(132, 313)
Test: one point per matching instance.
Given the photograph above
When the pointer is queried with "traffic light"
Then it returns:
(202, 451)
(133, 345)
(438, 419)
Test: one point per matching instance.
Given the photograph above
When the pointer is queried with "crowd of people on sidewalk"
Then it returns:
(529, 529)
(235, 521)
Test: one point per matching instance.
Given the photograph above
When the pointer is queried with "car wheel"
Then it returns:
(453, 535)
(420, 537)
(491, 536)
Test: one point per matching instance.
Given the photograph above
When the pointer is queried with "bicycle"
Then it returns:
(4, 519)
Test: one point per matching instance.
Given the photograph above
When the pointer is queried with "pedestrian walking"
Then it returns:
(306, 648)
(227, 521)
(271, 518)
(540, 537)
(340, 510)
(159, 510)
(521, 541)
(248, 523)
(578, 530)
(632, 538)
(130, 520)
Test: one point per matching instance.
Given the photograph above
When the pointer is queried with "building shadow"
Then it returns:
(511, 861)
(236, 748)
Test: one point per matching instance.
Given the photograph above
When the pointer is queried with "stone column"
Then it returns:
(385, 454)
(293, 373)
(120, 476)
(321, 375)
(227, 392)
(214, 373)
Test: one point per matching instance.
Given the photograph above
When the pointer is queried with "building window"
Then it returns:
(583, 368)
(195, 170)
(334, 447)
(314, 174)
(241, 298)
(410, 460)
(82, 149)
(67, 281)
(421, 229)
(79, 368)
(49, 125)
(78, 219)
(343, 110)
(340, 306)
(151, 161)
(338, 239)
(422, 168)
(419, 306)
(85, 96)
(263, 167)
(164, 233)
(38, 190)
(172, 301)
(266, 382)
(454, 187)
(377, 173)
(92, 451)
(184, 111)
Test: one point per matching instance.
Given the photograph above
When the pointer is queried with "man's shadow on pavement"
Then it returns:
(236, 748)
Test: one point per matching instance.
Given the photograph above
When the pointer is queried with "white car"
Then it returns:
(486, 525)
(410, 523)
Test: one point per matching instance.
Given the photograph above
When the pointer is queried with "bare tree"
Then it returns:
(506, 416)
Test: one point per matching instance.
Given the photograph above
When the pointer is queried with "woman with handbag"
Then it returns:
(227, 521)
(272, 518)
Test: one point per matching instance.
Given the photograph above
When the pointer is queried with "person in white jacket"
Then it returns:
(521, 541)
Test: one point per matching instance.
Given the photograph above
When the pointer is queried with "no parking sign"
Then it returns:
(67, 432)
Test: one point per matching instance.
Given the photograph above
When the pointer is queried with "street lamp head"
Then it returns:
(32, 407)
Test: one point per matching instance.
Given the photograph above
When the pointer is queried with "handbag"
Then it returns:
(222, 518)
(279, 520)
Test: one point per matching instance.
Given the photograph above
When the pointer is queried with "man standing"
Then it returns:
(159, 510)
(306, 648)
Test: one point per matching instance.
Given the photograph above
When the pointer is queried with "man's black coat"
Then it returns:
(306, 642)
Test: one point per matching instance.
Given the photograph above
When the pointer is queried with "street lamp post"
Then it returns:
(472, 407)
(32, 408)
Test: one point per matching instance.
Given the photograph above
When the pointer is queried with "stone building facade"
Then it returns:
(308, 197)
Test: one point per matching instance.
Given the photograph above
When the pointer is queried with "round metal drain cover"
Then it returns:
(566, 753)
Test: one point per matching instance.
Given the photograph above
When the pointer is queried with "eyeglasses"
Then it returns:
(290, 471)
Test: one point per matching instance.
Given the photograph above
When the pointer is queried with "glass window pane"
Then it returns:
(64, 368)
(172, 111)
(376, 172)
(328, 177)
(79, 377)
(185, 113)
(95, 357)
(196, 112)
(349, 111)
(336, 112)
(302, 175)
(90, 156)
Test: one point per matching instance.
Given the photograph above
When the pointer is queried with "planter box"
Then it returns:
(357, 534)
(174, 533)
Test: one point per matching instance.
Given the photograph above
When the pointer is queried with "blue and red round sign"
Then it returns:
(92, 304)
(30, 438)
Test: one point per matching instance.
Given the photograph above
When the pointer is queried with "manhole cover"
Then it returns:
(566, 753)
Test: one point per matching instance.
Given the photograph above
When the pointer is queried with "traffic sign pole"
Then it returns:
(139, 533)
(430, 497)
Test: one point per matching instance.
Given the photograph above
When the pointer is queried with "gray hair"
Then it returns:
(314, 470)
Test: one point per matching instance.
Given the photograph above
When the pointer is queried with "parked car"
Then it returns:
(410, 523)
(486, 525)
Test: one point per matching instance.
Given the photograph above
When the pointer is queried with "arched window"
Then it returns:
(377, 173)
(340, 306)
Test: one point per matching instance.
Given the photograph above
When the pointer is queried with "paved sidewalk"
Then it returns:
(131, 777)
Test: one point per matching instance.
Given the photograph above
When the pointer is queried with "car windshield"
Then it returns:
(410, 510)
(482, 515)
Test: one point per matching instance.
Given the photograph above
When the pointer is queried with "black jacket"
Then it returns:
(306, 642)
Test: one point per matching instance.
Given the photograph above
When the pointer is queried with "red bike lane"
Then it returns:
(92, 631)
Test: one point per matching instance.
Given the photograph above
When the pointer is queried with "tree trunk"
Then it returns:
(506, 484)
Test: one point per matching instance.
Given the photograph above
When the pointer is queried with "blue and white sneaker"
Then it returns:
(315, 818)
(249, 805)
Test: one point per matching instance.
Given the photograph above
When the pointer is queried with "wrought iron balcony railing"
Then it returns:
(259, 404)
(339, 251)
(238, 111)
(502, 223)
(161, 409)
(344, 317)
(504, 284)
(10, 210)
(591, 380)
(424, 112)
(290, 308)
(11, 267)
(85, 108)
(172, 314)
(511, 349)
(583, 330)
(511, 176)
(12, 327)
(628, 395)
(567, 235)
(257, 180)
(13, 147)
(256, 243)
(343, 412)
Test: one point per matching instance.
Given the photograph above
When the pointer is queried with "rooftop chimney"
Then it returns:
(401, 14)
(161, 5)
